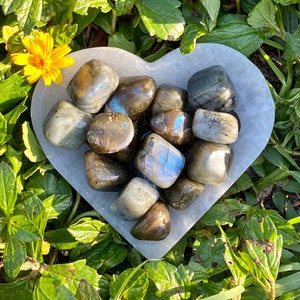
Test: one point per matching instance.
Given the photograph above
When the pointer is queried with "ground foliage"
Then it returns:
(54, 246)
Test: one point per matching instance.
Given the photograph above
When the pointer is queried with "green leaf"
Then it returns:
(162, 18)
(13, 89)
(118, 40)
(15, 157)
(33, 150)
(70, 275)
(212, 7)
(171, 282)
(286, 2)
(18, 289)
(61, 239)
(191, 34)
(82, 6)
(4, 137)
(29, 14)
(124, 7)
(104, 255)
(13, 116)
(234, 32)
(273, 156)
(292, 53)
(22, 229)
(229, 294)
(86, 291)
(8, 190)
(130, 284)
(288, 284)
(225, 212)
(63, 34)
(57, 206)
(13, 257)
(262, 17)
(86, 229)
(50, 289)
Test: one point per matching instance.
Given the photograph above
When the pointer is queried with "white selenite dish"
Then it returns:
(255, 110)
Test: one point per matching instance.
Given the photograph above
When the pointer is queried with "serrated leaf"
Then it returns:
(70, 275)
(130, 284)
(29, 14)
(8, 190)
(57, 206)
(162, 18)
(12, 89)
(124, 7)
(86, 291)
(49, 289)
(13, 257)
(262, 16)
(18, 289)
(63, 34)
(86, 229)
(22, 229)
(33, 149)
(82, 6)
(237, 35)
(171, 282)
(105, 255)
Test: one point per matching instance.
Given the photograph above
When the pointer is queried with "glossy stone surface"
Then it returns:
(110, 132)
(217, 127)
(92, 85)
(133, 96)
(208, 163)
(255, 110)
(66, 126)
(159, 160)
(104, 173)
(155, 225)
(135, 199)
(174, 125)
(212, 89)
(182, 193)
(168, 97)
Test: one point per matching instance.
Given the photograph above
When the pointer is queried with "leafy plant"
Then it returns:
(54, 246)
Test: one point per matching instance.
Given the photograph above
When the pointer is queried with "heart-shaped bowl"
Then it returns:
(255, 110)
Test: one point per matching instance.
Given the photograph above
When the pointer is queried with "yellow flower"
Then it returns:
(42, 60)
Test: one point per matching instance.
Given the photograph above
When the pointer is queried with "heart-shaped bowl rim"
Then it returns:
(255, 110)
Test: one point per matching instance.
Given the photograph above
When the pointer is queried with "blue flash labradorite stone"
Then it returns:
(160, 161)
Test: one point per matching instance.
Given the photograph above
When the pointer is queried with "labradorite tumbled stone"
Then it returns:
(174, 125)
(104, 173)
(92, 85)
(133, 96)
(135, 199)
(183, 192)
(110, 132)
(217, 127)
(211, 89)
(159, 161)
(168, 97)
(155, 225)
(208, 163)
(66, 126)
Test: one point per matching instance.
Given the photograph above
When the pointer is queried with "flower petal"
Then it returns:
(60, 51)
(31, 46)
(63, 62)
(45, 40)
(21, 59)
(32, 73)
(47, 78)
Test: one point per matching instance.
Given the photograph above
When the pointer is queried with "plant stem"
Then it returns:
(286, 87)
(274, 68)
(92, 213)
(113, 22)
(74, 209)
(238, 6)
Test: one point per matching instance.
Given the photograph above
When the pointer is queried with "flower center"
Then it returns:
(41, 62)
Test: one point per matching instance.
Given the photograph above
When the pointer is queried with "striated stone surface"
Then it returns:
(155, 225)
(104, 173)
(217, 127)
(183, 192)
(110, 132)
(208, 163)
(159, 160)
(135, 199)
(168, 97)
(66, 126)
(174, 125)
(211, 89)
(92, 85)
(133, 96)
